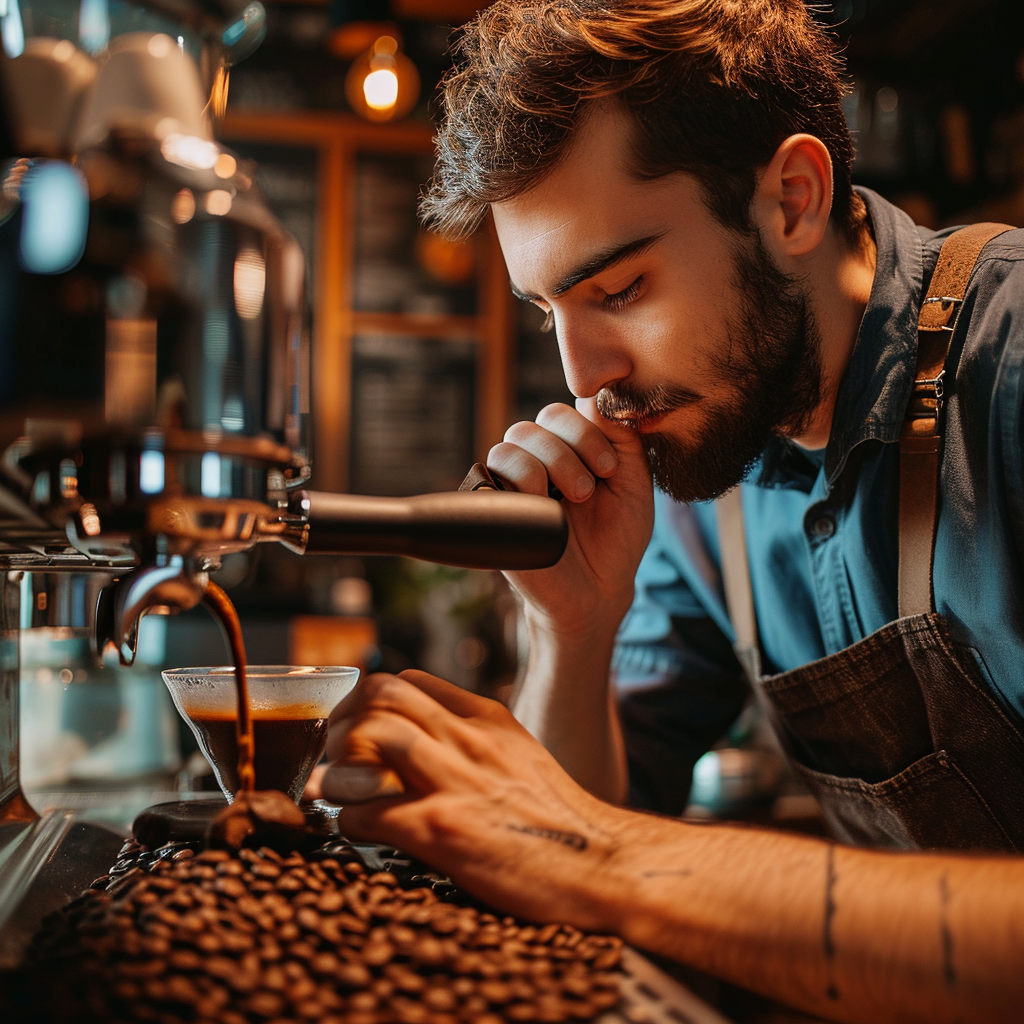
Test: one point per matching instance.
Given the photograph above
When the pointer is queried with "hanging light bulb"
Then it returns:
(380, 86)
(382, 83)
(380, 89)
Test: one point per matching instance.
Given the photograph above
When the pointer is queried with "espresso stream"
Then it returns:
(220, 605)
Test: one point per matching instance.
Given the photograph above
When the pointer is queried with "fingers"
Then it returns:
(313, 789)
(457, 700)
(562, 446)
(358, 783)
(426, 699)
(437, 707)
(390, 820)
(384, 753)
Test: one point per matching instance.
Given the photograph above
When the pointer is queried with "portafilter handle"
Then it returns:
(485, 529)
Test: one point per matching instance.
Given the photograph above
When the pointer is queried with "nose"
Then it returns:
(591, 357)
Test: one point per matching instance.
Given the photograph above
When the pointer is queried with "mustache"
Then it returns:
(624, 402)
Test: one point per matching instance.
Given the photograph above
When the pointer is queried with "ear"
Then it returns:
(793, 198)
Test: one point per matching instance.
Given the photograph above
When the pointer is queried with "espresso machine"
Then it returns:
(154, 409)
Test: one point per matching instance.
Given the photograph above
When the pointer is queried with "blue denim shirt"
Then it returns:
(822, 526)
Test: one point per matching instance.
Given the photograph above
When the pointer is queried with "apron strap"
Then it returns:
(921, 435)
(739, 594)
(920, 442)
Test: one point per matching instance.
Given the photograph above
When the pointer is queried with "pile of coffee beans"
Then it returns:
(174, 935)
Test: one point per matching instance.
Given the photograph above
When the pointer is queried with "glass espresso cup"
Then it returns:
(289, 705)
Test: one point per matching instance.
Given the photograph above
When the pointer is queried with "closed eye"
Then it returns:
(613, 302)
(618, 300)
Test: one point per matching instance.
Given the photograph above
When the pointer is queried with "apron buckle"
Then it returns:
(927, 398)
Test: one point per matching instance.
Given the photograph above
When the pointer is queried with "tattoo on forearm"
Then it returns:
(949, 972)
(572, 839)
(827, 939)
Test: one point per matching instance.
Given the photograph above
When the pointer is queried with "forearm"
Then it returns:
(853, 935)
(566, 701)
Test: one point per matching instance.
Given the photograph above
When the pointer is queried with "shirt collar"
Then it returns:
(874, 389)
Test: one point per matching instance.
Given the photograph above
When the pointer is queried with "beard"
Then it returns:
(771, 366)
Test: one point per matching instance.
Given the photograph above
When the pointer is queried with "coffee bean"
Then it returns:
(330, 902)
(603, 999)
(377, 953)
(551, 1010)
(231, 887)
(209, 942)
(303, 951)
(406, 1011)
(463, 987)
(266, 1004)
(308, 918)
(440, 999)
(212, 857)
(473, 1006)
(521, 990)
(154, 945)
(236, 941)
(445, 924)
(326, 964)
(354, 975)
(607, 960)
(402, 936)
(404, 979)
(576, 986)
(495, 991)
(427, 952)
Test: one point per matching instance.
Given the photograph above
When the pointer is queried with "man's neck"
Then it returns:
(839, 285)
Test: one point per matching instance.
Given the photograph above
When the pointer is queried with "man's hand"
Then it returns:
(600, 468)
(852, 935)
(440, 762)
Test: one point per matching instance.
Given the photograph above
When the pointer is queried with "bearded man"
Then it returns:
(670, 183)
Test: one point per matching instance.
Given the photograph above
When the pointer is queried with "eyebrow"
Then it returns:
(598, 262)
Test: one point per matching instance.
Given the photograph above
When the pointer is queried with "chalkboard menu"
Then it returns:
(398, 267)
(412, 414)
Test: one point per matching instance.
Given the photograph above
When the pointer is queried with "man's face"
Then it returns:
(682, 327)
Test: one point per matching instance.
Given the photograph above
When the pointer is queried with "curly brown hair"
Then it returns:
(712, 86)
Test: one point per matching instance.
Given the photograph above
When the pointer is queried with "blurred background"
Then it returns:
(421, 357)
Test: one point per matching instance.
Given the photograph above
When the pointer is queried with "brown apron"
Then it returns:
(898, 736)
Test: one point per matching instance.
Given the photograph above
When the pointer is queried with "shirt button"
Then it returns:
(823, 527)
